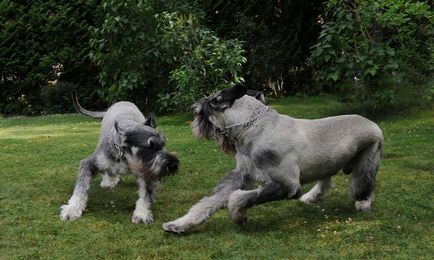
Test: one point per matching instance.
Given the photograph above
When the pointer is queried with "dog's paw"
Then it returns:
(308, 198)
(238, 215)
(363, 205)
(176, 226)
(173, 227)
(237, 212)
(70, 212)
(142, 217)
(183, 224)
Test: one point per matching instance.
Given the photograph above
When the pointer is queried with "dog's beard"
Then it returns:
(136, 166)
(152, 169)
(161, 165)
(203, 128)
(225, 144)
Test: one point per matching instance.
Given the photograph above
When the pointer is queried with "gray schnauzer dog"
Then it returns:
(127, 141)
(281, 152)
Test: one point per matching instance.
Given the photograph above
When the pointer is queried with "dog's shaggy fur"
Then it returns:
(128, 142)
(283, 153)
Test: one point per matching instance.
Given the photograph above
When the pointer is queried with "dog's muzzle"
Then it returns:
(172, 163)
(164, 164)
(202, 127)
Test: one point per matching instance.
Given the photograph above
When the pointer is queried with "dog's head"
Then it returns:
(210, 120)
(144, 148)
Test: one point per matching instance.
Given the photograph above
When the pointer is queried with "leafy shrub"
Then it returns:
(39, 41)
(205, 63)
(276, 37)
(56, 98)
(379, 51)
(159, 55)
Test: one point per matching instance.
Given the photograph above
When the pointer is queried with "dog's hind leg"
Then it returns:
(142, 212)
(320, 188)
(78, 200)
(363, 176)
(109, 180)
(207, 206)
(241, 200)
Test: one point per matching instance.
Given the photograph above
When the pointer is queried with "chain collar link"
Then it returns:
(120, 152)
(255, 116)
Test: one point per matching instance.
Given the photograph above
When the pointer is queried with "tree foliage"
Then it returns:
(161, 56)
(38, 41)
(164, 55)
(204, 62)
(276, 35)
(379, 51)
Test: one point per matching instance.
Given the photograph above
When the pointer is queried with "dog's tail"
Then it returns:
(93, 114)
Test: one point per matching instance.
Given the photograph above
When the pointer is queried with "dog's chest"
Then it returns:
(118, 168)
(247, 166)
(259, 175)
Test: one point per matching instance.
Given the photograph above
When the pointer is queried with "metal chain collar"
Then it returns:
(119, 150)
(255, 116)
(121, 154)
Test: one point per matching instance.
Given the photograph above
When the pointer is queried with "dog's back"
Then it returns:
(124, 111)
(328, 144)
(347, 130)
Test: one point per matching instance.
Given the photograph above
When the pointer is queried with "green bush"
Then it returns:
(380, 52)
(56, 98)
(162, 55)
(42, 41)
(204, 62)
(276, 37)
(159, 55)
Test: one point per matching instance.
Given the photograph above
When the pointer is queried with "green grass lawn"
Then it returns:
(39, 158)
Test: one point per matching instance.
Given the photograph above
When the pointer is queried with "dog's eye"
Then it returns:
(154, 144)
(163, 139)
(214, 102)
(218, 105)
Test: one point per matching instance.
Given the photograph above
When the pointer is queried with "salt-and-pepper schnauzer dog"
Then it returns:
(281, 152)
(128, 142)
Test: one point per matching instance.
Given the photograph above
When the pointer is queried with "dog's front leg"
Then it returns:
(207, 206)
(241, 200)
(142, 212)
(321, 187)
(78, 200)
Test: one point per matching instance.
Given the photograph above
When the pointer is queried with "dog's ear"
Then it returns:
(121, 132)
(151, 121)
(118, 128)
(259, 95)
(231, 94)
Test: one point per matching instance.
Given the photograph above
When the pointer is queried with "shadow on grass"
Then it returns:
(303, 218)
(295, 218)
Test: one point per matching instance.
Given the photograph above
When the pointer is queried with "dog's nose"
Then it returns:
(173, 164)
(172, 167)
